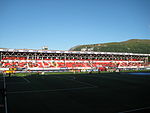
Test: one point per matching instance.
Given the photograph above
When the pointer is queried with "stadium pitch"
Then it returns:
(77, 93)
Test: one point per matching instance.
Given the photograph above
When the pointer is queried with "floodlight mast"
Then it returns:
(45, 48)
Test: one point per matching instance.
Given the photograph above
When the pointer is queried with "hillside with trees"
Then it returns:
(130, 46)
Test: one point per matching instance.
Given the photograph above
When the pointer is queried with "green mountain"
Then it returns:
(130, 46)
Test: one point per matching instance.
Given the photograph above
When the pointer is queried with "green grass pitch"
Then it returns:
(77, 93)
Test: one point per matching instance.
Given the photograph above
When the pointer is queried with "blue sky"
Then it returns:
(62, 24)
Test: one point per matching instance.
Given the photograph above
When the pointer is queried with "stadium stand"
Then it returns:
(42, 60)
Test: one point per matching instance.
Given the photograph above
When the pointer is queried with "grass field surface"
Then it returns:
(77, 93)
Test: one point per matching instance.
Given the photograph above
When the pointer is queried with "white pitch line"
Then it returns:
(38, 91)
(5, 98)
(26, 79)
(134, 110)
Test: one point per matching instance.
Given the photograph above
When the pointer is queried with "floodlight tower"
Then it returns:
(45, 48)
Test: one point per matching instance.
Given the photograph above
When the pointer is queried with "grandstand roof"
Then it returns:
(71, 52)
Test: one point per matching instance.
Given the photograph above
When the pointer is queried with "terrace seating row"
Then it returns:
(25, 58)
(48, 64)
